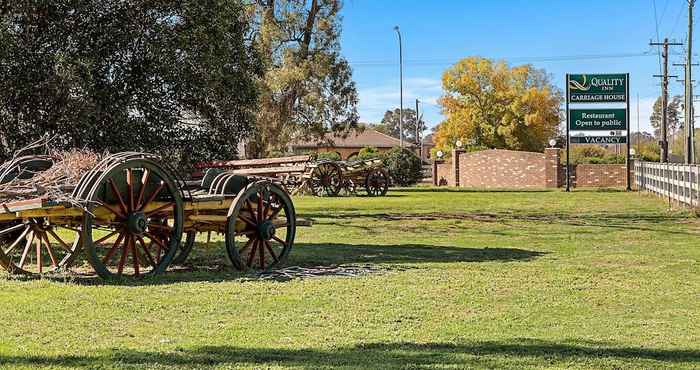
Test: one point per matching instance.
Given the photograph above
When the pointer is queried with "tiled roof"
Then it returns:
(356, 139)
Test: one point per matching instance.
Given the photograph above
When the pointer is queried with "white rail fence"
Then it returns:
(679, 182)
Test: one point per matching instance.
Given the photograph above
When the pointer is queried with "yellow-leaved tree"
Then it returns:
(489, 104)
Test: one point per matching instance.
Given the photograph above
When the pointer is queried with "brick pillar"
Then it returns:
(436, 180)
(455, 165)
(551, 167)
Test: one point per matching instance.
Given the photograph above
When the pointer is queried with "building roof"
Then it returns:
(356, 139)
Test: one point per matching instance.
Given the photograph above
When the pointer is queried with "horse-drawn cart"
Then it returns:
(129, 213)
(321, 178)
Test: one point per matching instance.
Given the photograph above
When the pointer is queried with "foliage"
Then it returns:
(390, 124)
(592, 154)
(497, 106)
(307, 89)
(328, 156)
(368, 152)
(174, 78)
(404, 167)
(673, 111)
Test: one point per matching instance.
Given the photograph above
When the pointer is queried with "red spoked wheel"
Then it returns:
(326, 179)
(34, 246)
(135, 220)
(261, 227)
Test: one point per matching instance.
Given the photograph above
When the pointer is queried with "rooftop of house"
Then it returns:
(356, 139)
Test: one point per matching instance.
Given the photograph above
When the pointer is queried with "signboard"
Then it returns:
(598, 119)
(597, 88)
(598, 140)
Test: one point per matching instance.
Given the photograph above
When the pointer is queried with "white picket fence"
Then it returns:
(679, 182)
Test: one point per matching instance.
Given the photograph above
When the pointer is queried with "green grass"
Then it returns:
(591, 279)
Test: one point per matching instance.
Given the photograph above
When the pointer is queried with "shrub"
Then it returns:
(404, 167)
(368, 152)
(328, 156)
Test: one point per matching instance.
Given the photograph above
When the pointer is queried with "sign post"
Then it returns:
(597, 88)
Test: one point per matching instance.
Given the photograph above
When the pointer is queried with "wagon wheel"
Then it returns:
(261, 227)
(35, 246)
(135, 220)
(326, 179)
(185, 248)
(377, 182)
(349, 187)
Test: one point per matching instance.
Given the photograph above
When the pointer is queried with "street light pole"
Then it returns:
(396, 28)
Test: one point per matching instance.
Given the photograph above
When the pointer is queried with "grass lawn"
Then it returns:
(457, 279)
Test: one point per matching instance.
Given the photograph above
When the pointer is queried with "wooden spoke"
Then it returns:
(248, 221)
(125, 252)
(117, 212)
(11, 229)
(269, 249)
(160, 243)
(30, 240)
(18, 240)
(148, 255)
(122, 205)
(245, 232)
(165, 206)
(260, 207)
(135, 256)
(276, 212)
(152, 196)
(110, 253)
(249, 204)
(49, 250)
(130, 188)
(246, 246)
(100, 240)
(38, 243)
(144, 182)
(161, 227)
(277, 239)
(262, 254)
(252, 253)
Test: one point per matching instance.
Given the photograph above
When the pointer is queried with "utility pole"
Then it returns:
(687, 116)
(420, 147)
(664, 98)
(689, 121)
(639, 133)
(398, 32)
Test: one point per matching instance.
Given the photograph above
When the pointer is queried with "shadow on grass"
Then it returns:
(623, 221)
(518, 353)
(440, 189)
(211, 265)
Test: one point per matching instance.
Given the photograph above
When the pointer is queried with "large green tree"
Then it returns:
(172, 77)
(390, 124)
(307, 89)
(673, 111)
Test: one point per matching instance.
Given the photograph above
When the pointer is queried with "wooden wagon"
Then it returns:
(321, 178)
(129, 214)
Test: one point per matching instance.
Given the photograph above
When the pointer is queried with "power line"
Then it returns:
(520, 59)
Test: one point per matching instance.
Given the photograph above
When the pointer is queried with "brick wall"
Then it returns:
(599, 175)
(498, 168)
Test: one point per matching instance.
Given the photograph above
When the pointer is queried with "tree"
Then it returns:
(170, 77)
(390, 124)
(493, 105)
(307, 89)
(673, 111)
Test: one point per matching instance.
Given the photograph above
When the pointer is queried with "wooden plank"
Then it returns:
(254, 162)
(269, 170)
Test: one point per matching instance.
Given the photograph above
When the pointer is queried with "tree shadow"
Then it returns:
(210, 264)
(511, 353)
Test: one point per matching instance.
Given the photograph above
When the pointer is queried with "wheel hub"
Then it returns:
(266, 230)
(137, 223)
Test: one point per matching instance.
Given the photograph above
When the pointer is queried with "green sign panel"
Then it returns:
(598, 140)
(597, 88)
(598, 119)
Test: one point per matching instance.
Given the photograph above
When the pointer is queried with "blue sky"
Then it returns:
(558, 36)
